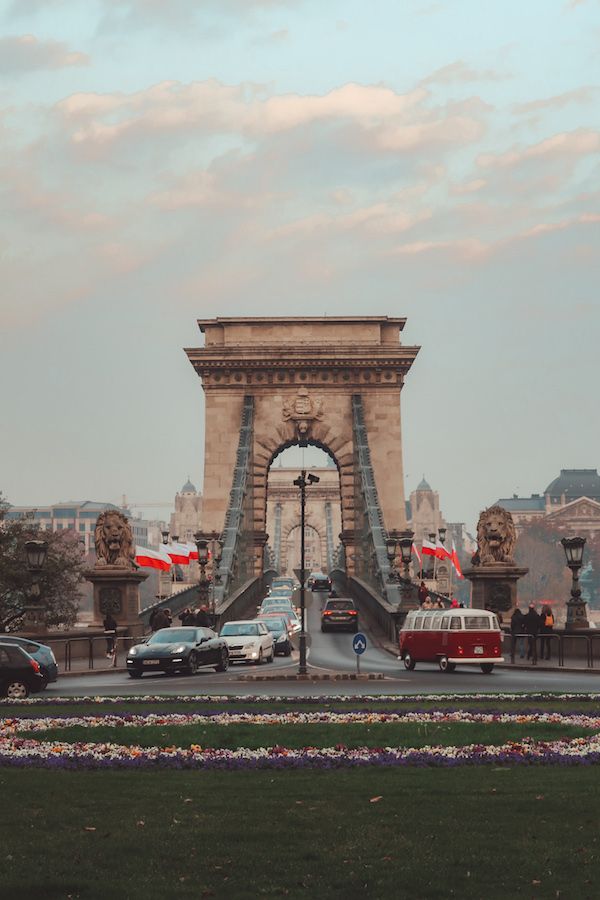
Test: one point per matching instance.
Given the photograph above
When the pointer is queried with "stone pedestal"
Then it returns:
(495, 586)
(116, 591)
(34, 620)
(577, 617)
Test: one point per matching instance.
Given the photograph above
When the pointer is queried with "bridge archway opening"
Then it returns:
(323, 516)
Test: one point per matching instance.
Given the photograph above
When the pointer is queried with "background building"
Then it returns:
(187, 518)
(570, 503)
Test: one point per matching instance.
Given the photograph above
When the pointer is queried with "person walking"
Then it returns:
(202, 618)
(110, 630)
(517, 628)
(423, 593)
(161, 620)
(532, 623)
(546, 628)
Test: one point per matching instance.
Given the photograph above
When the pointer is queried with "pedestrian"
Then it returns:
(152, 619)
(531, 623)
(110, 630)
(202, 618)
(423, 593)
(455, 604)
(183, 615)
(517, 628)
(427, 603)
(188, 617)
(161, 620)
(333, 592)
(546, 629)
(167, 613)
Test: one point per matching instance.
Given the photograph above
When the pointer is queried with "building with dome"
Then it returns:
(187, 518)
(423, 511)
(570, 503)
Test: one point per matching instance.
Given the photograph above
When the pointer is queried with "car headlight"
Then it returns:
(180, 649)
(132, 651)
(281, 639)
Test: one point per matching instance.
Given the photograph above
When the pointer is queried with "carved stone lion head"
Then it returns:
(496, 536)
(114, 541)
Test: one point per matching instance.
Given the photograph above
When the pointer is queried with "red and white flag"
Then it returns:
(192, 550)
(152, 559)
(178, 553)
(442, 552)
(416, 552)
(428, 548)
(455, 562)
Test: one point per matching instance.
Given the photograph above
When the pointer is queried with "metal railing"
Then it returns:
(91, 650)
(558, 645)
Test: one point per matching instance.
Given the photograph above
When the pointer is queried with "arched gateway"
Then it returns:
(271, 383)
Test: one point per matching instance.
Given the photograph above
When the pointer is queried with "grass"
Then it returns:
(466, 833)
(389, 734)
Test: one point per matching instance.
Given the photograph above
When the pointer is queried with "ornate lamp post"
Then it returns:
(216, 552)
(36, 552)
(576, 607)
(402, 540)
(442, 534)
(301, 482)
(204, 584)
(391, 545)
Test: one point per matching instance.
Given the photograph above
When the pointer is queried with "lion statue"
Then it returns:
(114, 541)
(496, 537)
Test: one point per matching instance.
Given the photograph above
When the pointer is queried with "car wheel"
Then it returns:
(409, 662)
(288, 650)
(44, 683)
(323, 628)
(272, 656)
(192, 666)
(487, 668)
(17, 690)
(224, 664)
(260, 658)
(135, 674)
(445, 665)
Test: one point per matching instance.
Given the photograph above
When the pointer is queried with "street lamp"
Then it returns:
(442, 534)
(576, 607)
(402, 540)
(203, 585)
(36, 552)
(301, 482)
(165, 537)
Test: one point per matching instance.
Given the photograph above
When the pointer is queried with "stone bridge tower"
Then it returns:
(302, 374)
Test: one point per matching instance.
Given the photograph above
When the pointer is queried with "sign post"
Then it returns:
(359, 645)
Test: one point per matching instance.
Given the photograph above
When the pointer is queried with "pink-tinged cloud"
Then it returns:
(463, 248)
(584, 94)
(460, 73)
(380, 218)
(547, 227)
(25, 53)
(385, 120)
(566, 145)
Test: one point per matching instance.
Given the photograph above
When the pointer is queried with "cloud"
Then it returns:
(382, 118)
(565, 145)
(25, 53)
(584, 94)
(460, 73)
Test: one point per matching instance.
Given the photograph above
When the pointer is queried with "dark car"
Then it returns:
(339, 613)
(279, 628)
(40, 652)
(320, 583)
(178, 650)
(19, 673)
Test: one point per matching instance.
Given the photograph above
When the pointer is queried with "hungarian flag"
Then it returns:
(441, 552)
(428, 548)
(152, 559)
(455, 562)
(178, 553)
(414, 550)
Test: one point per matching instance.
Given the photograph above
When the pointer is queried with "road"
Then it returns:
(328, 653)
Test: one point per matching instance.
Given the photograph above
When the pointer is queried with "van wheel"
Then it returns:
(409, 662)
(445, 665)
(487, 668)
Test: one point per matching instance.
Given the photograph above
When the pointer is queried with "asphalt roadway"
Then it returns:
(330, 655)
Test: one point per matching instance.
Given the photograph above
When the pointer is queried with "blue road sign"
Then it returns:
(359, 643)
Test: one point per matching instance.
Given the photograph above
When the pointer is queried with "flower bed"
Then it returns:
(22, 751)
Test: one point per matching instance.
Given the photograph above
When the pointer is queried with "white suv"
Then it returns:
(248, 642)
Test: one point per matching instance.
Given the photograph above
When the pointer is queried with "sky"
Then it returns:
(163, 162)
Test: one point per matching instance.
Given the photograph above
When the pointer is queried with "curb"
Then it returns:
(372, 676)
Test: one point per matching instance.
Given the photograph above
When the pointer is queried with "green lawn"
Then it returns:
(388, 734)
(466, 833)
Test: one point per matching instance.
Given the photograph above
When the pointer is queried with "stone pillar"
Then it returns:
(117, 591)
(495, 586)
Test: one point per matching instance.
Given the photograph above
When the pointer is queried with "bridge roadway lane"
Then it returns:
(328, 652)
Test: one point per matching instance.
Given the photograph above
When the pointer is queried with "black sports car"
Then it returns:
(178, 650)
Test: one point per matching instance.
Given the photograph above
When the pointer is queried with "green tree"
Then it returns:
(59, 580)
(538, 548)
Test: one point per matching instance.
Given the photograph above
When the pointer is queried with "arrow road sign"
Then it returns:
(359, 643)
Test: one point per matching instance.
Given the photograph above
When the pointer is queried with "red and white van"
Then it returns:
(451, 637)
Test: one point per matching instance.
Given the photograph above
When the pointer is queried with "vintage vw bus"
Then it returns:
(451, 637)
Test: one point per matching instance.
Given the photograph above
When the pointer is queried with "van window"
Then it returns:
(436, 623)
(477, 623)
(426, 623)
(418, 623)
(455, 623)
(445, 620)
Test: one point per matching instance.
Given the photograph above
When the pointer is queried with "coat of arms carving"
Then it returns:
(303, 410)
